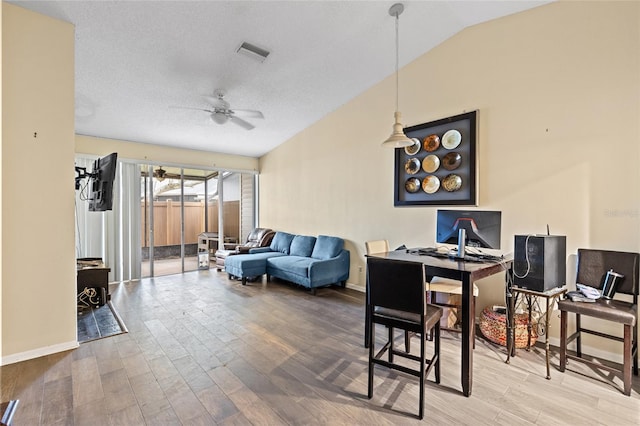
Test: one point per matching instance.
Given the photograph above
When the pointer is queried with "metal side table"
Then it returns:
(531, 300)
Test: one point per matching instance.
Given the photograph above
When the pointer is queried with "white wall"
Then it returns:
(168, 156)
(557, 89)
(38, 261)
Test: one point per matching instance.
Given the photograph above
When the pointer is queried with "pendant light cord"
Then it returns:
(397, 60)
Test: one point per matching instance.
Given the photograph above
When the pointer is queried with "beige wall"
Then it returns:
(1, 180)
(557, 89)
(167, 156)
(38, 262)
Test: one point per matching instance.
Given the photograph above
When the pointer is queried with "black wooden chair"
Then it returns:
(397, 299)
(382, 246)
(592, 268)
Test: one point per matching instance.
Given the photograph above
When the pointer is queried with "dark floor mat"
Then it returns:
(99, 322)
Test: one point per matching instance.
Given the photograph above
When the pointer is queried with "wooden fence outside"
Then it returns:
(166, 221)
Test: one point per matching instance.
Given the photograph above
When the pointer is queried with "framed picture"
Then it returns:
(440, 169)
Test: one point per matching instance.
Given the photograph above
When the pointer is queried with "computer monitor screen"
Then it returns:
(482, 228)
(102, 177)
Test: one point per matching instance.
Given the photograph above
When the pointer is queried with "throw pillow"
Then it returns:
(281, 242)
(302, 245)
(327, 247)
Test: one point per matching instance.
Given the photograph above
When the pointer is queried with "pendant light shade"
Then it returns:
(397, 139)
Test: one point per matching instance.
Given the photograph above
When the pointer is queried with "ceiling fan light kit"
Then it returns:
(159, 174)
(397, 139)
(219, 117)
(221, 112)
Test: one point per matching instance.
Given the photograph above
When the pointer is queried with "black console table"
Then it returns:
(92, 273)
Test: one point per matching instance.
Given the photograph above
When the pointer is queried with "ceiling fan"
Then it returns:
(221, 111)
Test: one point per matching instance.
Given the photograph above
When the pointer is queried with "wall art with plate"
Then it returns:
(440, 168)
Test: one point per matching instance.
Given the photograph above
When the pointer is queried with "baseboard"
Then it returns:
(36, 353)
(356, 287)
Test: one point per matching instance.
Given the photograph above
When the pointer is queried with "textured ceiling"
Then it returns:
(137, 59)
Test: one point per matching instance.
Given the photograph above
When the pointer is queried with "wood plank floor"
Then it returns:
(204, 350)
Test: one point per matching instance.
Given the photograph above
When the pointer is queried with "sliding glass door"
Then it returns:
(177, 205)
(158, 214)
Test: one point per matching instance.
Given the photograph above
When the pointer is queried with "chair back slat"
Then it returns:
(594, 264)
(396, 284)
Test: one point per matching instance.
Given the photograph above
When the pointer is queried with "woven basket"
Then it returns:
(493, 327)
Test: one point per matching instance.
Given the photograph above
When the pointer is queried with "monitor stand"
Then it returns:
(462, 238)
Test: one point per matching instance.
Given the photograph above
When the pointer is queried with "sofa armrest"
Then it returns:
(336, 268)
(243, 249)
(260, 250)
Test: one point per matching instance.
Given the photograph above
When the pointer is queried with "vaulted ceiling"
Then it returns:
(136, 60)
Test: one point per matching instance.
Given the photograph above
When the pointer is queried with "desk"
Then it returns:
(467, 272)
(531, 299)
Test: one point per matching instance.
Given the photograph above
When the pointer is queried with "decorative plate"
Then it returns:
(430, 184)
(412, 166)
(451, 161)
(412, 185)
(452, 182)
(413, 149)
(451, 139)
(431, 143)
(431, 163)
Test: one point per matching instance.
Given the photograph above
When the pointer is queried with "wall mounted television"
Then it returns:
(101, 178)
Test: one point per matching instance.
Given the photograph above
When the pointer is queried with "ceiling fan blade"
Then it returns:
(240, 122)
(216, 102)
(197, 109)
(249, 113)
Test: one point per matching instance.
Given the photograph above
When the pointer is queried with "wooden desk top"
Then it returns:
(477, 269)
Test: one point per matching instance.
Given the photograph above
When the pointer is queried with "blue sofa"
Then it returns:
(305, 260)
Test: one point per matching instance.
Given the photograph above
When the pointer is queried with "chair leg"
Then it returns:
(627, 360)
(634, 349)
(436, 345)
(579, 337)
(563, 340)
(473, 331)
(422, 376)
(371, 337)
(391, 344)
(407, 341)
(430, 300)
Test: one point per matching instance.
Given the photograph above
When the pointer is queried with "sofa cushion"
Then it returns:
(302, 245)
(248, 265)
(291, 265)
(327, 247)
(281, 242)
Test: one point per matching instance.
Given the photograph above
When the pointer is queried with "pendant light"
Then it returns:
(397, 139)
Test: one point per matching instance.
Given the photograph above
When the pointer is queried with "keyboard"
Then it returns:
(469, 257)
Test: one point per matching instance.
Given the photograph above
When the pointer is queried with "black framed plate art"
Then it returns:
(448, 175)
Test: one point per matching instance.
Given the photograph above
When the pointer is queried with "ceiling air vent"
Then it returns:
(252, 51)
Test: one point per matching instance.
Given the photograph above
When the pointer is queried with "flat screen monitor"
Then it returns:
(482, 228)
(102, 177)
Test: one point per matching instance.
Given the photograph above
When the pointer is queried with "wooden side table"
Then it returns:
(531, 299)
